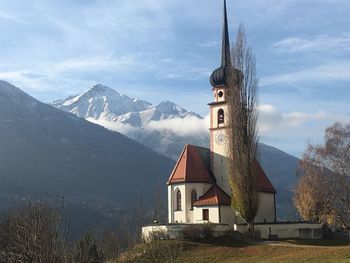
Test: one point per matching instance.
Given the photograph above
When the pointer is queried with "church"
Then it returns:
(198, 187)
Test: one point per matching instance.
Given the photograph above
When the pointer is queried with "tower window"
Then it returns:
(220, 94)
(205, 214)
(178, 200)
(221, 117)
(193, 197)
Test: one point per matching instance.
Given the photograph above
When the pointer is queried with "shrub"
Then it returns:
(87, 251)
(208, 231)
(191, 232)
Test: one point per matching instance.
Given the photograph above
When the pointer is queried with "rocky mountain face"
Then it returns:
(167, 127)
(46, 150)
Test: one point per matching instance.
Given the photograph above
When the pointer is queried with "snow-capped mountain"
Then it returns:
(152, 125)
(101, 102)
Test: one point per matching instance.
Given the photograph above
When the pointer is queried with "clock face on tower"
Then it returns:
(220, 137)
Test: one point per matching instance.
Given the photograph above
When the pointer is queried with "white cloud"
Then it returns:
(96, 63)
(289, 131)
(184, 127)
(119, 127)
(23, 78)
(190, 126)
(315, 44)
(339, 70)
(11, 17)
(273, 120)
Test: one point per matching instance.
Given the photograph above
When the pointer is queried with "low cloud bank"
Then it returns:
(272, 120)
(289, 131)
(190, 126)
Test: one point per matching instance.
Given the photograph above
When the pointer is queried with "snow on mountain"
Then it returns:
(165, 127)
(101, 102)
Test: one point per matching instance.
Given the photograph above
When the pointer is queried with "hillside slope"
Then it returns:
(43, 149)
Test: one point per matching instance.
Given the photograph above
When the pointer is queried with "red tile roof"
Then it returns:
(193, 166)
(214, 196)
(264, 184)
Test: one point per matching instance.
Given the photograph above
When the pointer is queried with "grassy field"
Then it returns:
(289, 251)
(275, 252)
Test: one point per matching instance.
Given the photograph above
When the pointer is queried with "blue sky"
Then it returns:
(166, 49)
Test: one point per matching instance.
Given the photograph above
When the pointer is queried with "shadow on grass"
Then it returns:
(225, 241)
(321, 242)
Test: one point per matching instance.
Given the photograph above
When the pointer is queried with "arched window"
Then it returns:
(178, 200)
(193, 197)
(221, 117)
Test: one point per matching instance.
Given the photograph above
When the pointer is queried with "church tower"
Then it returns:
(198, 187)
(219, 112)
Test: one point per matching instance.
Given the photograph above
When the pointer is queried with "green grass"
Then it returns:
(227, 250)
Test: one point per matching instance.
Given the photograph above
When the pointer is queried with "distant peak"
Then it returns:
(170, 107)
(167, 103)
(101, 88)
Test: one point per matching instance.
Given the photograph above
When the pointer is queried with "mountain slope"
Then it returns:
(43, 149)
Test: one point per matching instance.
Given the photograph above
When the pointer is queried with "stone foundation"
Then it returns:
(295, 230)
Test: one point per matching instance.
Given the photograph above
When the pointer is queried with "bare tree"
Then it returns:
(138, 214)
(323, 192)
(242, 132)
(87, 251)
(159, 210)
(33, 232)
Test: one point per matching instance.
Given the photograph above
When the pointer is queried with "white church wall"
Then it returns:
(175, 231)
(266, 212)
(287, 230)
(170, 204)
(178, 216)
(201, 189)
(186, 214)
(213, 214)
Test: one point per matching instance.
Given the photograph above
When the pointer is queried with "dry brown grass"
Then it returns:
(289, 251)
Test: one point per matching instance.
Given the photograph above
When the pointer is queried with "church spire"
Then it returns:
(225, 52)
(219, 76)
